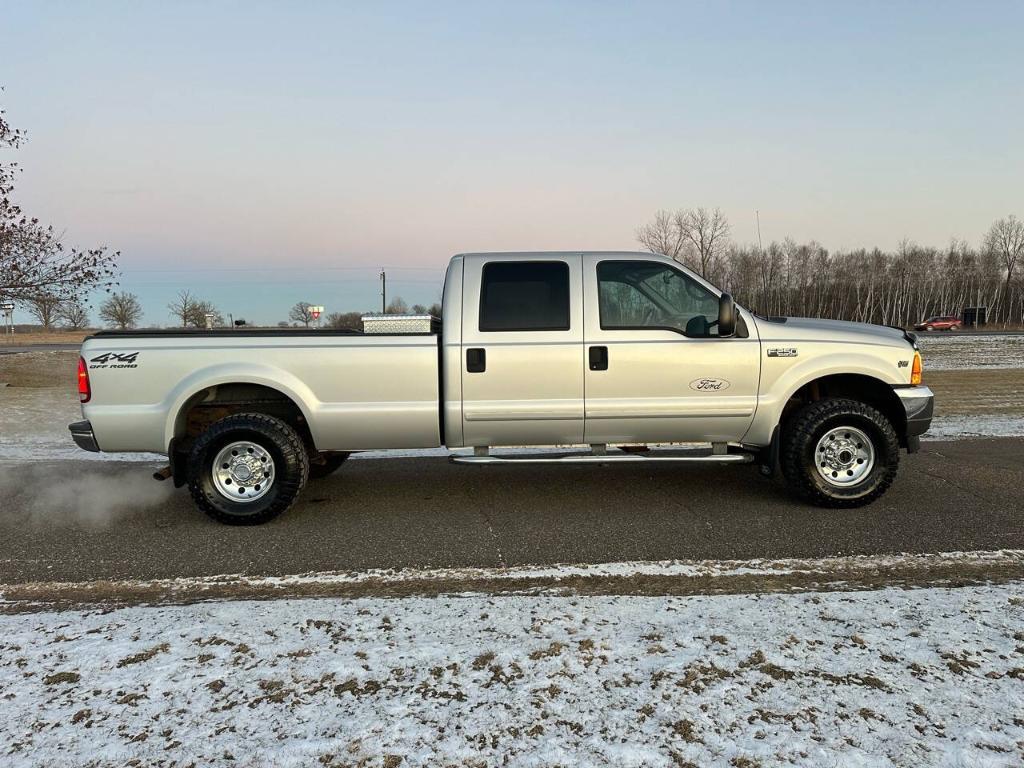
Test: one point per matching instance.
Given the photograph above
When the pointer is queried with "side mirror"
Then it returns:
(726, 315)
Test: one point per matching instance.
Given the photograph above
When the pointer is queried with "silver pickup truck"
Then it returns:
(614, 351)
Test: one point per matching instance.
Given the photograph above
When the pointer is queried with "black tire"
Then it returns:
(323, 464)
(807, 427)
(291, 468)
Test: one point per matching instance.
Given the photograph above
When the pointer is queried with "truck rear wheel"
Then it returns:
(247, 469)
(839, 453)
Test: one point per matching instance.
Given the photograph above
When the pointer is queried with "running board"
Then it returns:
(589, 458)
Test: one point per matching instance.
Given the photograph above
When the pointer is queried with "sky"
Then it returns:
(260, 154)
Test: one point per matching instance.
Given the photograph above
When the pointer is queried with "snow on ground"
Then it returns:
(34, 425)
(660, 577)
(949, 351)
(878, 678)
(959, 426)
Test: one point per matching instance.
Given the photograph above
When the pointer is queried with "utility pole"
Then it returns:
(757, 213)
(383, 292)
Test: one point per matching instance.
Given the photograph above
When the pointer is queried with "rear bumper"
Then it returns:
(81, 433)
(918, 405)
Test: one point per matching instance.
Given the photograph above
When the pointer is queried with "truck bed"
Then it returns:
(355, 391)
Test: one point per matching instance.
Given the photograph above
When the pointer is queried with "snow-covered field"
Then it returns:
(947, 351)
(875, 678)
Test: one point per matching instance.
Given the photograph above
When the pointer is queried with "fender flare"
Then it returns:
(769, 410)
(268, 376)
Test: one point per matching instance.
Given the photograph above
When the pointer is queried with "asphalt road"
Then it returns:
(394, 513)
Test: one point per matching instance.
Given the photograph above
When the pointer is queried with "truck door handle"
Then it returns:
(599, 358)
(476, 360)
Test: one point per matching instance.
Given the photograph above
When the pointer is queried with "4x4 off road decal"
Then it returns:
(114, 360)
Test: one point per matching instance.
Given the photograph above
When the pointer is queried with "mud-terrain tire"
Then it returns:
(325, 464)
(264, 445)
(826, 460)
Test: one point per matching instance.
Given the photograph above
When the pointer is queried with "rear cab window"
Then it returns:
(524, 296)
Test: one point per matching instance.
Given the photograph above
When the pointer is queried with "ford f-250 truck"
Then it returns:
(616, 351)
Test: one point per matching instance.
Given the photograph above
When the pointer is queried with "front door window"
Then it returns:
(646, 294)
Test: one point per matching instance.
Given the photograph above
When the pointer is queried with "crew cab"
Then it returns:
(615, 351)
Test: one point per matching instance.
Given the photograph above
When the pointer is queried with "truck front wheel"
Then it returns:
(839, 453)
(247, 469)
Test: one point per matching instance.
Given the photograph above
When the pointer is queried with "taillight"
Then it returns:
(84, 390)
(915, 371)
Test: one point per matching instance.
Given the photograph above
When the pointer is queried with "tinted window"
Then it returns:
(525, 296)
(646, 294)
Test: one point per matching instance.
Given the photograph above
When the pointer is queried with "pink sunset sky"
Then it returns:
(265, 153)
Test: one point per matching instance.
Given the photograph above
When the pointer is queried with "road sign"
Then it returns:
(315, 312)
(8, 309)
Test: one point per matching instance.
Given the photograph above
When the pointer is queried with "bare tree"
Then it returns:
(707, 232)
(44, 307)
(1006, 240)
(352, 320)
(434, 309)
(74, 314)
(183, 307)
(33, 260)
(662, 235)
(418, 309)
(122, 310)
(397, 306)
(199, 311)
(300, 313)
(694, 236)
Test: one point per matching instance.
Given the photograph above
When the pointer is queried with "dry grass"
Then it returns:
(40, 369)
(995, 391)
(46, 337)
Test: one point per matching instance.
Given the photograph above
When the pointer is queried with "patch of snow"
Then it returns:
(955, 427)
(889, 677)
(835, 573)
(35, 427)
(944, 351)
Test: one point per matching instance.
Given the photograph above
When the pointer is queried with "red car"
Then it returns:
(941, 323)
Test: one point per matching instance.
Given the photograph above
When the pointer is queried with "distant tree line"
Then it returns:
(898, 287)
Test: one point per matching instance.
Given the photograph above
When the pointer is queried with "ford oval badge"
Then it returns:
(709, 385)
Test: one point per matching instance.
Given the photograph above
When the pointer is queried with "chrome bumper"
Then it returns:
(918, 404)
(81, 433)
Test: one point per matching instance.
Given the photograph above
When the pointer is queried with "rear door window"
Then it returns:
(525, 296)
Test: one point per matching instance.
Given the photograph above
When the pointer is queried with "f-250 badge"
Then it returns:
(782, 352)
(114, 360)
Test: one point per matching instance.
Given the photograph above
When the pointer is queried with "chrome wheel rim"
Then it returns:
(243, 471)
(844, 456)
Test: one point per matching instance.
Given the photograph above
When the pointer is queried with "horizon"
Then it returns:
(261, 155)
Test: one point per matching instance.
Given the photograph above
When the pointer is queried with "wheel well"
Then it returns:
(214, 403)
(855, 386)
